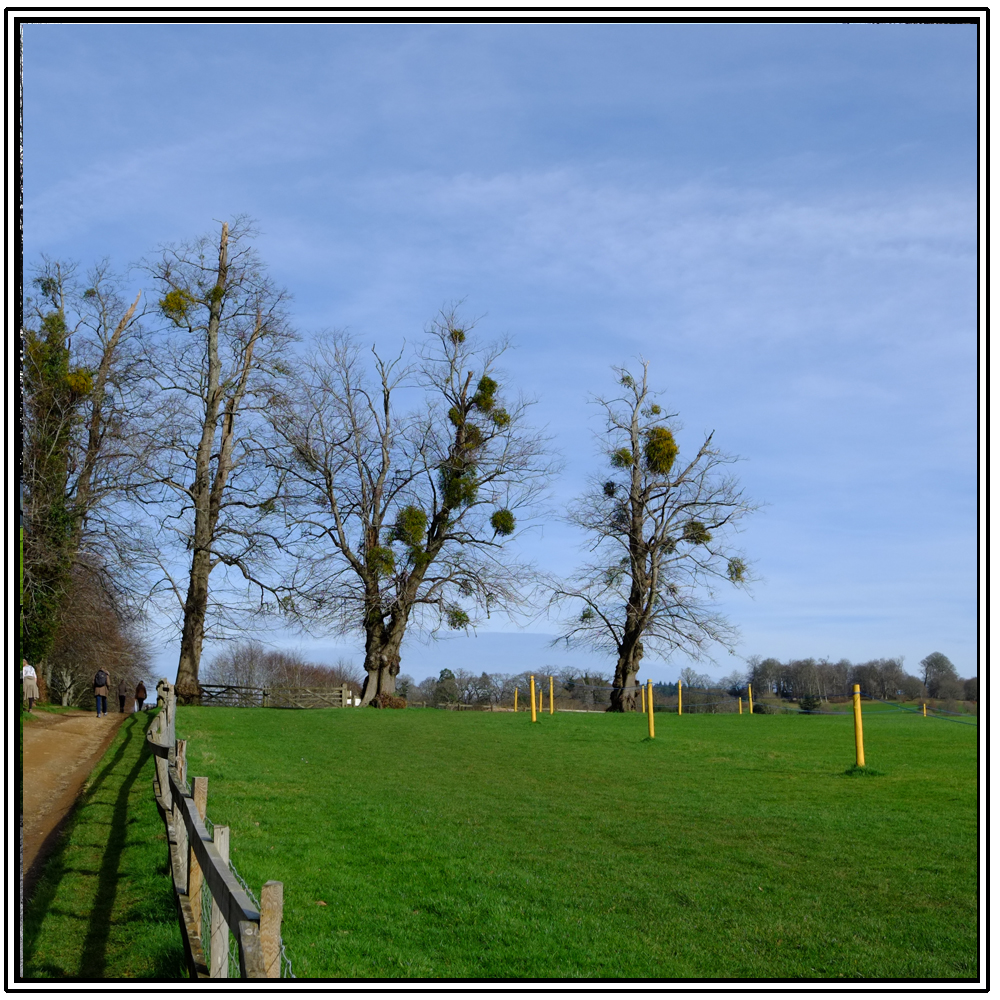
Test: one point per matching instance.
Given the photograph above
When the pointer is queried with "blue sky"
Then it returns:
(780, 218)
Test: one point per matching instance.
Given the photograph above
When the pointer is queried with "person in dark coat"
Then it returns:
(124, 693)
(140, 696)
(101, 681)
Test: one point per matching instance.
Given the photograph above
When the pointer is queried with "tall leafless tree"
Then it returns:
(659, 530)
(405, 516)
(218, 362)
(83, 350)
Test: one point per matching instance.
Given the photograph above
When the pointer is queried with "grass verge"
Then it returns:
(103, 907)
(481, 846)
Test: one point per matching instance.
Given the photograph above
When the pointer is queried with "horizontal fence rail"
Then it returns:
(239, 696)
(199, 861)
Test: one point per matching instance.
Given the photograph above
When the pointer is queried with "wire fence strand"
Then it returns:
(233, 945)
(916, 711)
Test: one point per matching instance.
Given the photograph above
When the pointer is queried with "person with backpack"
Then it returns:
(140, 696)
(101, 681)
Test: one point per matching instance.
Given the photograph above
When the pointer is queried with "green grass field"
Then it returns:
(481, 846)
(103, 907)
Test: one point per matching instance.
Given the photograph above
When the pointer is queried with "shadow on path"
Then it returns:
(93, 951)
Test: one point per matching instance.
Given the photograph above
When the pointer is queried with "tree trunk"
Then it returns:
(205, 512)
(381, 664)
(193, 630)
(625, 692)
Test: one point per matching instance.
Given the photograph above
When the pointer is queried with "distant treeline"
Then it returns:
(250, 664)
(573, 689)
(881, 678)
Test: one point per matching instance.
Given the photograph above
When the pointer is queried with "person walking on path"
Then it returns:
(124, 693)
(101, 680)
(140, 696)
(29, 683)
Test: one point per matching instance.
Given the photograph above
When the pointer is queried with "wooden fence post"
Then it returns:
(343, 696)
(180, 828)
(271, 907)
(200, 795)
(251, 962)
(180, 758)
(219, 948)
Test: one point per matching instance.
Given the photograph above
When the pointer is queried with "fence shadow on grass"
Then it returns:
(93, 958)
(43, 880)
(44, 861)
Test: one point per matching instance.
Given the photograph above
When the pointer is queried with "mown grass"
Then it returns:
(54, 709)
(103, 907)
(482, 846)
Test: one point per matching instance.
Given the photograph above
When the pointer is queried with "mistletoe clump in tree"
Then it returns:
(404, 515)
(78, 403)
(659, 529)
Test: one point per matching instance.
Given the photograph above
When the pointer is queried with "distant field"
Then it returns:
(478, 845)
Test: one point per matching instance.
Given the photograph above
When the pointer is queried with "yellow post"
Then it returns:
(515, 699)
(741, 704)
(534, 717)
(679, 699)
(649, 705)
(642, 694)
(750, 697)
(552, 700)
(925, 709)
(859, 743)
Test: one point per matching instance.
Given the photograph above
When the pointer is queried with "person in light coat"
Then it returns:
(29, 683)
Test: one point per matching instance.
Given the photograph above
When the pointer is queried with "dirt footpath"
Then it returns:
(60, 751)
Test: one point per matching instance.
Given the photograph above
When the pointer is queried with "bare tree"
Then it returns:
(109, 342)
(690, 678)
(250, 664)
(405, 516)
(80, 369)
(658, 530)
(218, 362)
(97, 630)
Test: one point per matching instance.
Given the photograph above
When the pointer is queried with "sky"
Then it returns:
(781, 219)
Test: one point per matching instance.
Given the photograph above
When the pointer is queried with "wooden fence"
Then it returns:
(199, 858)
(237, 696)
